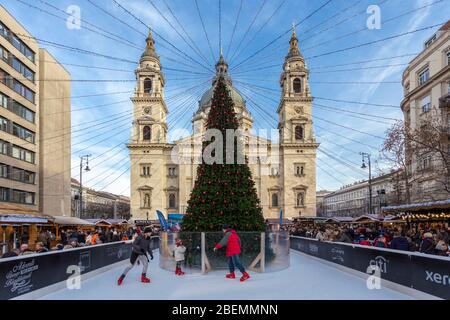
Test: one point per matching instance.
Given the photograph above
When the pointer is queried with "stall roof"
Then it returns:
(339, 219)
(70, 221)
(22, 218)
(107, 221)
(370, 217)
(420, 206)
(277, 221)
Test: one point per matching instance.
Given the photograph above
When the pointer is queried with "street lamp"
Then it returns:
(83, 159)
(366, 156)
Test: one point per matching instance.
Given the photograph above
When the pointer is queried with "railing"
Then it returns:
(429, 274)
(25, 274)
(260, 252)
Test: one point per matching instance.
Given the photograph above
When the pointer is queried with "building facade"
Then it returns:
(98, 204)
(163, 174)
(353, 200)
(426, 83)
(34, 145)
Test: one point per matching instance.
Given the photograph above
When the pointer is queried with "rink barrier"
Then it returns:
(426, 273)
(21, 276)
(260, 252)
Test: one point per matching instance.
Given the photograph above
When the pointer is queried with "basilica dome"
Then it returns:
(238, 100)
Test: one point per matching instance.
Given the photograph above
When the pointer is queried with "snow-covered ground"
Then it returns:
(307, 278)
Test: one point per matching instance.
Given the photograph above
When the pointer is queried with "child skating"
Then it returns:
(233, 243)
(141, 246)
(179, 252)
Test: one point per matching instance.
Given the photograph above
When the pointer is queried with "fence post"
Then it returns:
(263, 252)
(203, 250)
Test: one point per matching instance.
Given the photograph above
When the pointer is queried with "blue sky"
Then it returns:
(347, 75)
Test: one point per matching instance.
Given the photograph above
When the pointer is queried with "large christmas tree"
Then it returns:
(223, 193)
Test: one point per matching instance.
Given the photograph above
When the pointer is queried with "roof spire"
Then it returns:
(150, 50)
(294, 51)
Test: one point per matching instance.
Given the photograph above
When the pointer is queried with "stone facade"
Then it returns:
(35, 124)
(163, 174)
(426, 83)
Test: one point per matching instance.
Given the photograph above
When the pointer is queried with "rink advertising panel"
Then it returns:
(429, 274)
(25, 274)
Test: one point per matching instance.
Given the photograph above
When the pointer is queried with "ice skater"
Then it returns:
(141, 246)
(178, 253)
(233, 243)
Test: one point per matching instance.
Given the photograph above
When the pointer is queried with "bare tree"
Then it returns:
(394, 153)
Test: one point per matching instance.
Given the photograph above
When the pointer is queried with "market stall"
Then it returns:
(66, 223)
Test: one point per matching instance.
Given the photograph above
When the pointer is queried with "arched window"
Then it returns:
(300, 199)
(147, 133)
(147, 86)
(299, 133)
(297, 85)
(172, 201)
(275, 200)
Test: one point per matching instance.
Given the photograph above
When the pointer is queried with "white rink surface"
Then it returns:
(306, 279)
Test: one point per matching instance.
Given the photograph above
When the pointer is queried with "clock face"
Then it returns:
(147, 110)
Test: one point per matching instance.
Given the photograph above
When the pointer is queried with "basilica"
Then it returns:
(163, 172)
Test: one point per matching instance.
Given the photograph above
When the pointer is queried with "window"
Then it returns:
(23, 112)
(297, 85)
(4, 124)
(299, 133)
(448, 58)
(147, 86)
(4, 54)
(23, 91)
(22, 154)
(4, 194)
(275, 200)
(426, 104)
(299, 169)
(147, 133)
(172, 201)
(4, 101)
(430, 41)
(172, 172)
(22, 47)
(425, 162)
(424, 76)
(3, 30)
(146, 171)
(23, 133)
(25, 71)
(4, 171)
(22, 197)
(23, 175)
(4, 147)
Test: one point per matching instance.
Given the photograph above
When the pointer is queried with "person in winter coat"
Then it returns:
(427, 244)
(233, 243)
(141, 246)
(178, 253)
(380, 241)
(399, 242)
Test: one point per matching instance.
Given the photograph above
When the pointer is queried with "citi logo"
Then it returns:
(380, 262)
(313, 249)
(437, 278)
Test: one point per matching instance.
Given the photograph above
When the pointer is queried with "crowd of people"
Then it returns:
(429, 240)
(71, 238)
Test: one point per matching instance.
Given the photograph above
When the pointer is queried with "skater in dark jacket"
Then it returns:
(141, 246)
(233, 243)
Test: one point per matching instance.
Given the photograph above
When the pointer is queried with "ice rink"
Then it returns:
(307, 278)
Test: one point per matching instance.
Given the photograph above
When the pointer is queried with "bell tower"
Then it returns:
(298, 147)
(295, 110)
(148, 147)
(150, 110)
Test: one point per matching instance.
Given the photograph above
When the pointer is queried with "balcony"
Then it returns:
(444, 102)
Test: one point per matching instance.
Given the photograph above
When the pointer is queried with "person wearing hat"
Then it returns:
(427, 244)
(233, 243)
(141, 246)
(178, 253)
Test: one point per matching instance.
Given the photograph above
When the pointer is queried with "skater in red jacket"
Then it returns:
(233, 243)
